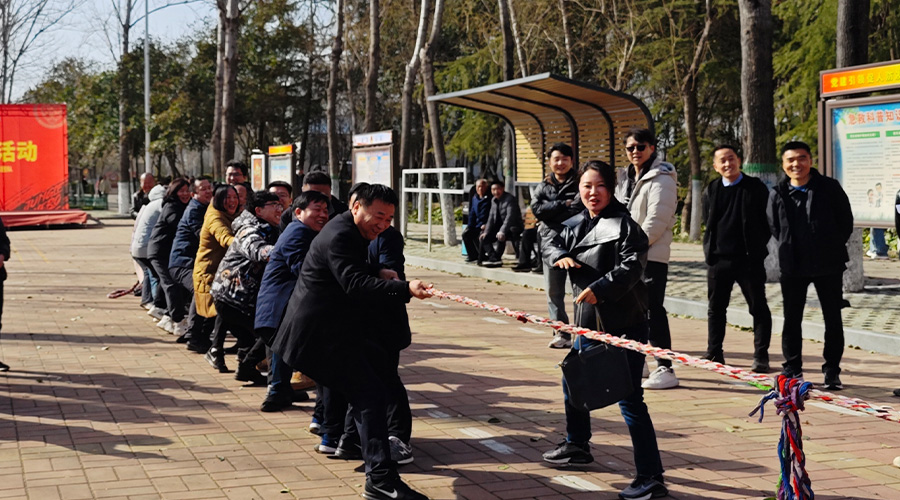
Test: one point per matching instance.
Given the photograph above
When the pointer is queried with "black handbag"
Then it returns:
(597, 376)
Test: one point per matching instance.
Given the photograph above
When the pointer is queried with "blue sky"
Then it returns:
(81, 33)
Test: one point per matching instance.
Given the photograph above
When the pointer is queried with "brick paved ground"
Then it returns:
(101, 404)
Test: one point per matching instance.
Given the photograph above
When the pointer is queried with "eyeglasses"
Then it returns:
(275, 204)
(639, 147)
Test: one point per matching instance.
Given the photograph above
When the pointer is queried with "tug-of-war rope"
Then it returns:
(760, 381)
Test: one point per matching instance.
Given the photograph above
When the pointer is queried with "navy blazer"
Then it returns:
(281, 273)
(187, 236)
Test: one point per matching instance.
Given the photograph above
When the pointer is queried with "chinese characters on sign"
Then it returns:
(12, 151)
(33, 157)
(859, 79)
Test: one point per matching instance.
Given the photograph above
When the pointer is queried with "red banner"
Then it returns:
(34, 157)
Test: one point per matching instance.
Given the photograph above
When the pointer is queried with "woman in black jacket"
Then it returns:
(177, 197)
(605, 252)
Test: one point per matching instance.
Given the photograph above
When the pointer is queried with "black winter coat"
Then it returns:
(549, 202)
(830, 225)
(323, 329)
(386, 252)
(612, 251)
(752, 195)
(505, 217)
(163, 234)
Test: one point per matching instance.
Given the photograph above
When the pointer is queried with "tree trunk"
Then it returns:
(124, 185)
(509, 71)
(852, 33)
(374, 64)
(690, 221)
(567, 33)
(520, 50)
(434, 119)
(337, 48)
(409, 83)
(215, 141)
(758, 101)
(307, 99)
(853, 50)
(229, 87)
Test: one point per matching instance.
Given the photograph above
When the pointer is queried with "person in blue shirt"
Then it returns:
(479, 208)
(310, 211)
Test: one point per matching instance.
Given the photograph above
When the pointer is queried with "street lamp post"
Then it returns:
(147, 168)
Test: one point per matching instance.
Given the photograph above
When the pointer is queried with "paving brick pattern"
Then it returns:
(101, 404)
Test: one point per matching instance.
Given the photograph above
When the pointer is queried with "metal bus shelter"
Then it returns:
(545, 109)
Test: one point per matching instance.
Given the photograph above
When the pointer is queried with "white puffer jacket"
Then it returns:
(146, 219)
(652, 205)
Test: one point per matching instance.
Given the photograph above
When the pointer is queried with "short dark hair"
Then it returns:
(199, 179)
(279, 184)
(355, 189)
(498, 182)
(239, 165)
(307, 198)
(563, 148)
(259, 200)
(316, 179)
(380, 192)
(221, 194)
(727, 146)
(174, 187)
(606, 172)
(795, 145)
(640, 135)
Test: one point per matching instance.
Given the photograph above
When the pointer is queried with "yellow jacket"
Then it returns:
(215, 238)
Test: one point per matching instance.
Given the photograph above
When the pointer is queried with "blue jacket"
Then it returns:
(479, 208)
(187, 236)
(386, 251)
(281, 274)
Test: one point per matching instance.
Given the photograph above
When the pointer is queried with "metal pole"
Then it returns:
(429, 222)
(147, 167)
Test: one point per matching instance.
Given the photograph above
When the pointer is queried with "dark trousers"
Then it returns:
(157, 297)
(357, 376)
(472, 243)
(492, 249)
(655, 277)
(828, 288)
(171, 289)
(633, 409)
(279, 374)
(231, 319)
(529, 248)
(199, 327)
(1, 304)
(399, 415)
(720, 278)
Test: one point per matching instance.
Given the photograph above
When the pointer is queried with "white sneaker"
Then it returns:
(156, 312)
(181, 328)
(166, 324)
(147, 305)
(661, 378)
(646, 372)
(560, 342)
(871, 254)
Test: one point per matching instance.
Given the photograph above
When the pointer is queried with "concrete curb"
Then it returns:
(880, 342)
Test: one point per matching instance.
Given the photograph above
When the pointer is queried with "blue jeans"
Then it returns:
(634, 410)
(877, 243)
(279, 375)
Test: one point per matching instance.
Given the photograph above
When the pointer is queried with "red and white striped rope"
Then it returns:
(760, 381)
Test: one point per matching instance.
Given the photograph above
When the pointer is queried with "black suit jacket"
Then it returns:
(4, 249)
(327, 321)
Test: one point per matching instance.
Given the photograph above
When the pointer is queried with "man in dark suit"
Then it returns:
(504, 224)
(319, 338)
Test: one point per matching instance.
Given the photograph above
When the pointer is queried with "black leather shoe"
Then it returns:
(275, 402)
(248, 373)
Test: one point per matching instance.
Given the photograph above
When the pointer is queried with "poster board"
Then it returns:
(373, 165)
(258, 171)
(864, 156)
(34, 165)
(281, 164)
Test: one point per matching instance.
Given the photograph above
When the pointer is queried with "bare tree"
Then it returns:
(229, 80)
(412, 69)
(434, 119)
(374, 64)
(567, 32)
(508, 42)
(22, 23)
(689, 100)
(215, 141)
(337, 48)
(520, 49)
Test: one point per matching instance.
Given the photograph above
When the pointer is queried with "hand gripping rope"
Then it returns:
(763, 382)
(794, 482)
